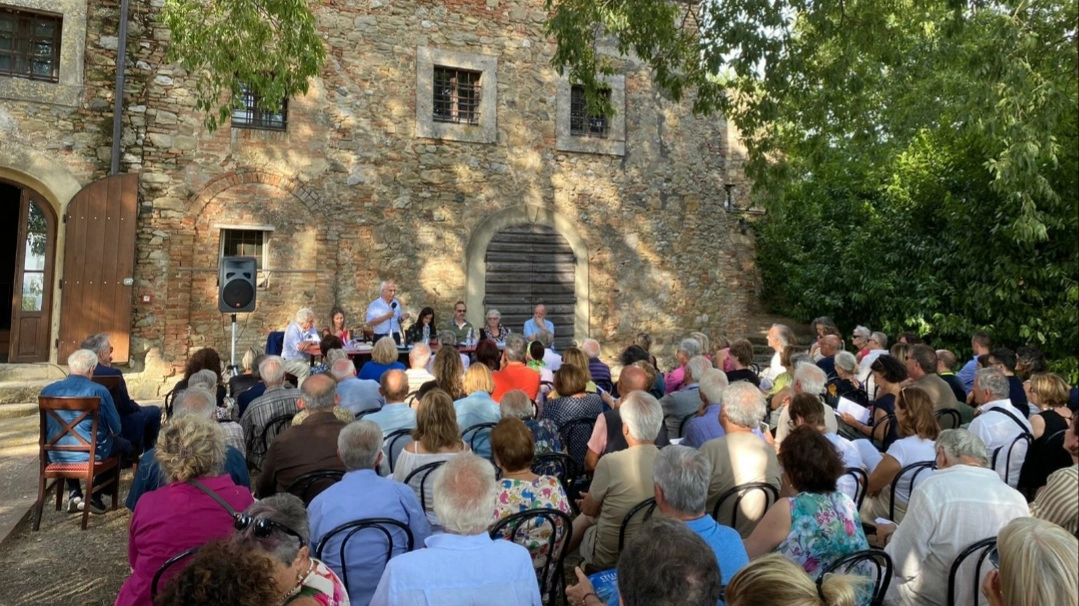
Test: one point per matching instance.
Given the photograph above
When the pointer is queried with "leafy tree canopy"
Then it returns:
(270, 46)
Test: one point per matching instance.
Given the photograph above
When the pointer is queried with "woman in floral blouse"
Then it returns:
(520, 489)
(819, 524)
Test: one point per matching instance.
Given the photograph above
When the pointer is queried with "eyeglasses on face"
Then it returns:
(460, 311)
(263, 527)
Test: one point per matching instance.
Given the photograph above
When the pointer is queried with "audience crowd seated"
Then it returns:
(682, 547)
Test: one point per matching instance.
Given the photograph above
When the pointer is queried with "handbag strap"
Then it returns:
(213, 495)
(1022, 428)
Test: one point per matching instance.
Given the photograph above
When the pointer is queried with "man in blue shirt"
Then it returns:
(538, 322)
(384, 315)
(81, 366)
(705, 426)
(301, 343)
(361, 493)
(357, 395)
(980, 343)
(464, 566)
(139, 424)
(393, 386)
(197, 402)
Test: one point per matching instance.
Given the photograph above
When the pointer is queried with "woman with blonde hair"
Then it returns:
(576, 357)
(1038, 565)
(383, 358)
(435, 438)
(449, 371)
(478, 407)
(773, 579)
(918, 430)
(1048, 393)
(184, 513)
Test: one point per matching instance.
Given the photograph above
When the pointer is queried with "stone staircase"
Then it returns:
(757, 334)
(20, 385)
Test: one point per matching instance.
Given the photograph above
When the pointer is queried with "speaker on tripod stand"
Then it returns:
(236, 287)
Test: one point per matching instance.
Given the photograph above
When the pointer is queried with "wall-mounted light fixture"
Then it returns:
(729, 202)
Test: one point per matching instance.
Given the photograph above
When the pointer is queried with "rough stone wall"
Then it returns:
(355, 197)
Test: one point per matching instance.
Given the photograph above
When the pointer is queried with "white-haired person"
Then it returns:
(192, 509)
(77, 384)
(598, 369)
(362, 493)
(741, 456)
(687, 400)
(705, 426)
(463, 565)
(1037, 562)
(301, 344)
(544, 432)
(208, 380)
(277, 528)
(964, 501)
(384, 314)
(675, 379)
(622, 479)
(810, 379)
(149, 476)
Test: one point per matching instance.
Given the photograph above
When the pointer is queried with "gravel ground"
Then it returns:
(63, 565)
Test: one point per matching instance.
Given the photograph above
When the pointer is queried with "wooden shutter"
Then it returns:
(530, 264)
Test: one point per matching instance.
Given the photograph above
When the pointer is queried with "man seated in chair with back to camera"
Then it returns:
(139, 424)
(81, 366)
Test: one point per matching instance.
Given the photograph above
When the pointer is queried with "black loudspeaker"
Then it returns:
(236, 284)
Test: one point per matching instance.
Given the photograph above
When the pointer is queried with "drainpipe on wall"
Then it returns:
(118, 95)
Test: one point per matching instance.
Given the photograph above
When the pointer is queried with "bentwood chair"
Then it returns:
(423, 472)
(984, 546)
(546, 533)
(861, 479)
(394, 443)
(647, 506)
(63, 416)
(913, 471)
(872, 563)
(771, 495)
(310, 485)
(173, 561)
(393, 531)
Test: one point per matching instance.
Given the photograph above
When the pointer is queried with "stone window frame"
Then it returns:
(68, 90)
(486, 130)
(26, 23)
(614, 144)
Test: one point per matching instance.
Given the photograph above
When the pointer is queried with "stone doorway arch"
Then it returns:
(476, 270)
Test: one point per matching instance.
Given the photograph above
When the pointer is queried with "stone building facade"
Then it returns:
(362, 184)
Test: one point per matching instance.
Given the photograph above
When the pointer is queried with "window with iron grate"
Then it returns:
(244, 243)
(30, 45)
(253, 116)
(583, 124)
(457, 95)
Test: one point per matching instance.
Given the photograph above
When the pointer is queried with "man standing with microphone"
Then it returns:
(384, 313)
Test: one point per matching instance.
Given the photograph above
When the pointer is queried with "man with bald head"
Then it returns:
(829, 346)
(311, 446)
(607, 434)
(395, 414)
(538, 322)
(946, 363)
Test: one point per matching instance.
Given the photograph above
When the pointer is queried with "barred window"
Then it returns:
(583, 124)
(30, 45)
(252, 116)
(456, 95)
(244, 243)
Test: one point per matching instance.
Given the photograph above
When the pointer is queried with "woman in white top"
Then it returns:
(918, 431)
(434, 439)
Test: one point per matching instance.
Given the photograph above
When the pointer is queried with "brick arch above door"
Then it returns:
(298, 188)
(476, 266)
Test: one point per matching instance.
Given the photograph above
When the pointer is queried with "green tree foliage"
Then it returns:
(918, 159)
(270, 46)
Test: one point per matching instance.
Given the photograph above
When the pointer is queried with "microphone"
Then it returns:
(393, 305)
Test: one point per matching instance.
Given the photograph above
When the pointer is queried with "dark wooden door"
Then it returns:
(31, 300)
(527, 265)
(99, 262)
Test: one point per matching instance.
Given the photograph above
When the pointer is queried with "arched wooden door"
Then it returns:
(31, 300)
(99, 264)
(529, 264)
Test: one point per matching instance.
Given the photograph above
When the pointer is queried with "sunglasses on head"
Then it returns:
(263, 527)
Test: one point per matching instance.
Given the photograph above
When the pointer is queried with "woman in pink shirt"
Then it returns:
(181, 514)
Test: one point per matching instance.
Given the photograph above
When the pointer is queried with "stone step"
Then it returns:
(23, 391)
(31, 372)
(15, 411)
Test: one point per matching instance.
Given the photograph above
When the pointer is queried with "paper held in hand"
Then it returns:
(859, 412)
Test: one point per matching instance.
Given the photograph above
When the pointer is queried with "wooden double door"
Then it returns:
(96, 276)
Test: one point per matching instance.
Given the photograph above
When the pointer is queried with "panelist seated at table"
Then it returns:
(424, 329)
(538, 322)
(384, 314)
(338, 325)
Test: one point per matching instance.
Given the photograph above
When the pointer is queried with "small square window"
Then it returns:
(457, 95)
(583, 124)
(244, 243)
(252, 116)
(30, 45)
